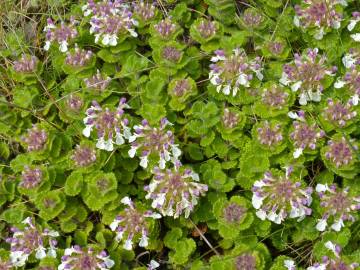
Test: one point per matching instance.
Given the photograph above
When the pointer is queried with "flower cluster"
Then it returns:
(166, 28)
(83, 155)
(5, 265)
(339, 152)
(275, 96)
(171, 54)
(334, 262)
(337, 205)
(109, 19)
(62, 34)
(351, 59)
(30, 241)
(31, 178)
(35, 139)
(97, 82)
(233, 212)
(352, 81)
(269, 134)
(181, 87)
(175, 191)
(133, 223)
(74, 103)
(252, 18)
(277, 197)
(320, 15)
(26, 64)
(229, 119)
(206, 28)
(304, 135)
(108, 124)
(353, 22)
(144, 10)
(77, 258)
(306, 74)
(79, 57)
(337, 113)
(229, 72)
(156, 141)
(245, 261)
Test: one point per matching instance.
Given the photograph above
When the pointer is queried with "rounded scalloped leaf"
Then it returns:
(50, 204)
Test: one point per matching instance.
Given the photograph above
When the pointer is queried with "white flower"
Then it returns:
(339, 84)
(261, 214)
(348, 61)
(321, 188)
(40, 253)
(153, 265)
(87, 131)
(126, 200)
(128, 244)
(144, 161)
(63, 46)
(132, 152)
(257, 201)
(321, 225)
(298, 152)
(289, 264)
(47, 45)
(356, 37)
(296, 86)
(337, 225)
(144, 241)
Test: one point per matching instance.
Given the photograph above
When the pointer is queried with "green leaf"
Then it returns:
(74, 183)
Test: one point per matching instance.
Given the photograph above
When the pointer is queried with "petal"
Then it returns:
(337, 225)
(356, 37)
(101, 143)
(132, 152)
(339, 84)
(114, 225)
(261, 214)
(296, 86)
(144, 162)
(119, 139)
(63, 46)
(352, 24)
(126, 200)
(297, 153)
(321, 225)
(144, 241)
(321, 188)
(47, 45)
(256, 201)
(87, 130)
(128, 244)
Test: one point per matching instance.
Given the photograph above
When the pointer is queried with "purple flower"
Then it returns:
(31, 178)
(230, 119)
(337, 113)
(252, 18)
(335, 262)
(339, 152)
(352, 59)
(229, 72)
(157, 141)
(5, 265)
(74, 103)
(61, 34)
(97, 82)
(171, 54)
(269, 134)
(276, 47)
(181, 87)
(175, 191)
(245, 261)
(278, 197)
(275, 97)
(165, 28)
(321, 15)
(352, 82)
(206, 29)
(337, 205)
(26, 64)
(85, 258)
(304, 135)
(306, 74)
(79, 57)
(83, 156)
(31, 240)
(233, 212)
(144, 10)
(108, 124)
(109, 19)
(353, 22)
(133, 223)
(35, 139)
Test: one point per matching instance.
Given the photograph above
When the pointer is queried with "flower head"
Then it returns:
(171, 54)
(353, 22)
(35, 139)
(133, 224)
(85, 258)
(306, 74)
(335, 262)
(252, 18)
(31, 240)
(230, 119)
(155, 141)
(79, 57)
(108, 124)
(269, 134)
(245, 261)
(26, 64)
(97, 82)
(277, 197)
(337, 205)
(83, 155)
(166, 28)
(320, 15)
(230, 71)
(5, 265)
(352, 59)
(276, 47)
(304, 135)
(339, 152)
(144, 10)
(175, 191)
(275, 97)
(337, 113)
(61, 34)
(206, 29)
(290, 264)
(74, 103)
(31, 178)
(352, 81)
(233, 212)
(109, 19)
(181, 87)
